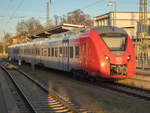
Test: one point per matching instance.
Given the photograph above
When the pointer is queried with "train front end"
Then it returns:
(116, 53)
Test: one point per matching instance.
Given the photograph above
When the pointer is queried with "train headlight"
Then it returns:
(129, 57)
(107, 58)
(102, 64)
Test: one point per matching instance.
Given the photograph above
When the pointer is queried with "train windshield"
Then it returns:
(115, 42)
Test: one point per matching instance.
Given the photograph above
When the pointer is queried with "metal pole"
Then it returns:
(48, 16)
(115, 10)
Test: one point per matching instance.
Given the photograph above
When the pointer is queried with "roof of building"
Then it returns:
(54, 30)
(117, 12)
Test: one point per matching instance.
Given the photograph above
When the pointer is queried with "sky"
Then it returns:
(13, 11)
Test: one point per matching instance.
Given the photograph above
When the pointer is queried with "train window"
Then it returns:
(52, 51)
(45, 52)
(29, 51)
(115, 42)
(32, 51)
(39, 51)
(67, 51)
(64, 51)
(65, 48)
(60, 51)
(48, 51)
(42, 51)
(56, 52)
(71, 52)
(35, 51)
(77, 52)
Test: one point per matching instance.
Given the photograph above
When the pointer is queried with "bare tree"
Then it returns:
(21, 27)
(56, 20)
(76, 17)
(33, 25)
(6, 36)
(63, 19)
(29, 26)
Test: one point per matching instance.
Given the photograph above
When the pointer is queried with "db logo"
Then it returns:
(119, 59)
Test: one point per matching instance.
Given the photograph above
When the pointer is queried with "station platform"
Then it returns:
(145, 72)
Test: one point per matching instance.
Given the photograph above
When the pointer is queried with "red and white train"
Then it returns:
(105, 52)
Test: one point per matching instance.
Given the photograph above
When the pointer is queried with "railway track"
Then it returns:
(37, 96)
(138, 93)
(128, 90)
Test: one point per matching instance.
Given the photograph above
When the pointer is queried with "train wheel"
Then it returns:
(85, 76)
(73, 73)
(92, 79)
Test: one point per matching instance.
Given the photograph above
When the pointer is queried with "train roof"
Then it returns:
(109, 29)
(42, 41)
(99, 30)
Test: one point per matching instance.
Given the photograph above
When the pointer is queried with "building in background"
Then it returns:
(126, 20)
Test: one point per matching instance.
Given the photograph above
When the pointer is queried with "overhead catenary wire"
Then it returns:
(92, 4)
(19, 5)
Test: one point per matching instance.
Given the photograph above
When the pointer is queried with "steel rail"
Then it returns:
(21, 92)
(74, 109)
(125, 89)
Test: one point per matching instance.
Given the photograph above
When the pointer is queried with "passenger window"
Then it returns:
(38, 52)
(63, 51)
(52, 51)
(67, 51)
(32, 51)
(71, 52)
(45, 51)
(60, 52)
(56, 52)
(77, 52)
(48, 51)
(42, 52)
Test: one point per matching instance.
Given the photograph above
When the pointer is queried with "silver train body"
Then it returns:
(60, 53)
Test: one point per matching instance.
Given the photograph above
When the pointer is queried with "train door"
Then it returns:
(65, 56)
(84, 54)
